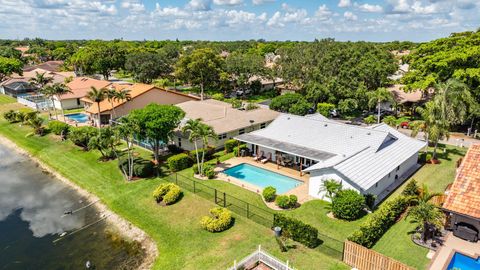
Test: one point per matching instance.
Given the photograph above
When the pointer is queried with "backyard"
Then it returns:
(181, 242)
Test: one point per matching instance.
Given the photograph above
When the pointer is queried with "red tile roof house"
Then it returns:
(79, 86)
(462, 204)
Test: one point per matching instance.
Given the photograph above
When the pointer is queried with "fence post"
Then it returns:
(194, 191)
(248, 210)
(215, 196)
(224, 199)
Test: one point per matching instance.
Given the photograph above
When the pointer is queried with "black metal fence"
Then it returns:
(329, 246)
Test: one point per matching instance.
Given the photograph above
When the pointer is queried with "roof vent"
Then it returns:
(369, 133)
(325, 125)
(351, 137)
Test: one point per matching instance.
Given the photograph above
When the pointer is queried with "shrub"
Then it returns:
(297, 230)
(269, 193)
(58, 128)
(209, 171)
(325, 108)
(239, 148)
(411, 189)
(251, 106)
(10, 116)
(369, 120)
(81, 136)
(428, 158)
(230, 144)
(218, 96)
(379, 222)
(179, 162)
(208, 153)
(143, 168)
(285, 102)
(370, 200)
(285, 201)
(300, 108)
(167, 192)
(196, 169)
(174, 149)
(348, 204)
(220, 220)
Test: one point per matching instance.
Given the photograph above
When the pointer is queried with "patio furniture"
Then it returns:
(265, 160)
(259, 157)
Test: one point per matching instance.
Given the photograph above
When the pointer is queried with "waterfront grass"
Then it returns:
(181, 242)
(4, 99)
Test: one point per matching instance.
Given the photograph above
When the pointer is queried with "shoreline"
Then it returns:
(121, 225)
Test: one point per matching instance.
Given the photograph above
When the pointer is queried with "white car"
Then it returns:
(241, 92)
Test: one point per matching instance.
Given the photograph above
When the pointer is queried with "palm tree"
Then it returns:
(206, 133)
(110, 96)
(192, 127)
(377, 97)
(330, 187)
(60, 89)
(426, 215)
(49, 92)
(436, 123)
(120, 96)
(40, 81)
(97, 96)
(36, 123)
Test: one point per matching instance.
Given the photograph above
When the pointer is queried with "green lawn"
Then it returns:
(182, 244)
(4, 99)
(397, 243)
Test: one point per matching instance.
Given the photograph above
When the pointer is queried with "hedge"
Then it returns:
(208, 154)
(230, 144)
(167, 192)
(179, 162)
(80, 136)
(325, 108)
(285, 201)
(220, 220)
(348, 204)
(297, 230)
(235, 149)
(58, 128)
(208, 171)
(379, 222)
(141, 167)
(269, 193)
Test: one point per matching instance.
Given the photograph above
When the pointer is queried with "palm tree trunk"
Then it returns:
(98, 124)
(378, 114)
(198, 158)
(113, 110)
(434, 156)
(424, 232)
(54, 109)
(203, 157)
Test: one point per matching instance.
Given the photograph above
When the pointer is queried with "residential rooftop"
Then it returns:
(464, 195)
(80, 86)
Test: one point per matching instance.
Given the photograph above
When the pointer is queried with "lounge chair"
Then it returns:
(265, 160)
(259, 157)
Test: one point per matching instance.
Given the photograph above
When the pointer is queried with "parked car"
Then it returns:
(405, 124)
(334, 113)
(242, 92)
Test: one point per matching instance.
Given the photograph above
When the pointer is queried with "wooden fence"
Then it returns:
(363, 258)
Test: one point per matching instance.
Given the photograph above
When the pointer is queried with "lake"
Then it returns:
(32, 207)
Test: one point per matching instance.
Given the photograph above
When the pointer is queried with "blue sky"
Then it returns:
(372, 20)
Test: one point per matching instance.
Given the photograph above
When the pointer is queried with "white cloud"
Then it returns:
(344, 3)
(228, 2)
(201, 5)
(323, 12)
(261, 2)
(133, 6)
(399, 6)
(369, 8)
(350, 16)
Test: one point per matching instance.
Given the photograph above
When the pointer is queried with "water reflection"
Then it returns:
(41, 202)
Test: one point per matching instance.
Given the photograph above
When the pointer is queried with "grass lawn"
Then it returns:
(397, 243)
(4, 99)
(182, 244)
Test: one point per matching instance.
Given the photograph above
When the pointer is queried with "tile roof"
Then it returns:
(464, 195)
(80, 86)
(222, 117)
(51, 66)
(135, 91)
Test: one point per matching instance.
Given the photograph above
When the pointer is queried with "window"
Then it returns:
(263, 125)
(78, 102)
(179, 142)
(222, 136)
(241, 131)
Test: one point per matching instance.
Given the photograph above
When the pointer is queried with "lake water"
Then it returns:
(32, 204)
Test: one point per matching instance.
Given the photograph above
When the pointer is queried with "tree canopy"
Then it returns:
(9, 66)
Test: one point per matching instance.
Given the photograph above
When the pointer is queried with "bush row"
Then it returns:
(220, 220)
(286, 202)
(179, 162)
(230, 144)
(58, 128)
(297, 230)
(379, 222)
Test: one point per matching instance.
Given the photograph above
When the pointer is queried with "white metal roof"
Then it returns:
(363, 154)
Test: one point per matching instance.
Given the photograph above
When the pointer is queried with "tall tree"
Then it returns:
(206, 133)
(97, 96)
(202, 67)
(192, 128)
(126, 130)
(156, 124)
(8, 66)
(40, 80)
(244, 66)
(120, 96)
(428, 216)
(147, 66)
(375, 98)
(60, 89)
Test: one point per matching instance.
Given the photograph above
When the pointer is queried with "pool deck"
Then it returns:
(301, 191)
(71, 122)
(453, 244)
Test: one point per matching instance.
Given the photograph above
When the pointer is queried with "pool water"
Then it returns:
(262, 178)
(463, 262)
(79, 117)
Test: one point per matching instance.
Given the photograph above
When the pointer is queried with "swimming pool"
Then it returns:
(262, 178)
(463, 262)
(79, 117)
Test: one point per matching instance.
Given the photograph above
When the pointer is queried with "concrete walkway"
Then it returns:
(451, 245)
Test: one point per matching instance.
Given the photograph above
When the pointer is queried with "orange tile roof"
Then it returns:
(464, 195)
(80, 86)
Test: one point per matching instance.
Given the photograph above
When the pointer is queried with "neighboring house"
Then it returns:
(405, 99)
(402, 70)
(50, 66)
(79, 88)
(285, 88)
(20, 84)
(226, 121)
(266, 83)
(141, 95)
(372, 160)
(462, 204)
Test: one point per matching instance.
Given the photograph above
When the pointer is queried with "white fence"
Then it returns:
(260, 256)
(37, 102)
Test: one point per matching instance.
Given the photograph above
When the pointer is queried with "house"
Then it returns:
(402, 70)
(462, 203)
(226, 121)
(265, 83)
(405, 99)
(18, 85)
(371, 160)
(79, 88)
(50, 66)
(285, 88)
(141, 95)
